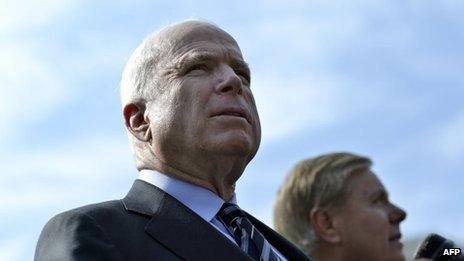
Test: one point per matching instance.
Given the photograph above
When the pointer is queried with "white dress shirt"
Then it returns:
(200, 200)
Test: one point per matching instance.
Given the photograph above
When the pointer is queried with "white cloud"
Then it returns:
(18, 15)
(91, 159)
(14, 248)
(450, 138)
(292, 40)
(30, 90)
(30, 197)
(287, 106)
(38, 177)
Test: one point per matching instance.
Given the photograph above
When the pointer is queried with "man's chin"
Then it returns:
(240, 149)
(396, 256)
(240, 145)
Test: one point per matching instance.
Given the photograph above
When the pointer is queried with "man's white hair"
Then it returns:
(140, 80)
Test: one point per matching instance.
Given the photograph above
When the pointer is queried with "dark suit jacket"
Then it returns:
(148, 224)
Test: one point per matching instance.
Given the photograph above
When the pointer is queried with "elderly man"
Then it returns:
(193, 125)
(335, 208)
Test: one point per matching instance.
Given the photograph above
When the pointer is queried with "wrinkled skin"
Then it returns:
(204, 127)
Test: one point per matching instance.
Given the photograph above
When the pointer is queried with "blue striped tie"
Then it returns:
(248, 238)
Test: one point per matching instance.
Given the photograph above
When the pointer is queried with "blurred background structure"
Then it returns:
(378, 78)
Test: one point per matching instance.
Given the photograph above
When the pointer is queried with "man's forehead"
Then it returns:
(191, 31)
(367, 183)
(187, 33)
(209, 51)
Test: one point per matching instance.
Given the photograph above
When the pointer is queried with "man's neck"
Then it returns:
(327, 253)
(218, 174)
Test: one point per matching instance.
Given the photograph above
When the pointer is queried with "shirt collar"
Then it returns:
(200, 200)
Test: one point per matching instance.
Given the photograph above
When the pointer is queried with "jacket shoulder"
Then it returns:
(78, 234)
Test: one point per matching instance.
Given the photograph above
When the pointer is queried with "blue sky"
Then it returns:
(379, 78)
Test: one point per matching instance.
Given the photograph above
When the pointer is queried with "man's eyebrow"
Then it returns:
(196, 57)
(241, 65)
(380, 193)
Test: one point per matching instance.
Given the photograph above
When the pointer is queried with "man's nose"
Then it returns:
(228, 81)
(398, 214)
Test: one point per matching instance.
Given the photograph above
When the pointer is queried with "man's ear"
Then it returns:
(322, 222)
(136, 121)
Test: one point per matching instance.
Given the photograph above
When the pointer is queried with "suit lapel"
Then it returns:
(290, 251)
(177, 227)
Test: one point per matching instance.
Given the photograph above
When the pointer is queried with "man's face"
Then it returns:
(207, 107)
(369, 222)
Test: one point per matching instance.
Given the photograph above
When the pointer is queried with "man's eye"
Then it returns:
(196, 68)
(244, 77)
(381, 200)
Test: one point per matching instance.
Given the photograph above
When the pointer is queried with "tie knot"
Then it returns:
(229, 212)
